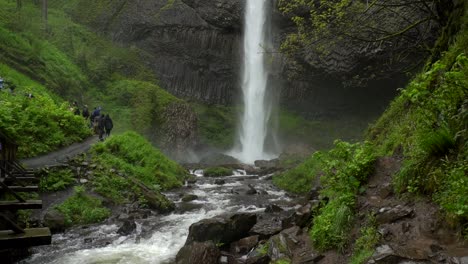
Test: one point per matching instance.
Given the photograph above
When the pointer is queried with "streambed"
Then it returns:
(157, 238)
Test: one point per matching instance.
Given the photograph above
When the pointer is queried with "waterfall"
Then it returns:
(254, 122)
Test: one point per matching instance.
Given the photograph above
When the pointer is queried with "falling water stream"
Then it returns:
(254, 121)
(158, 238)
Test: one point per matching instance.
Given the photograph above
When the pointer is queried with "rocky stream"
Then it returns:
(240, 210)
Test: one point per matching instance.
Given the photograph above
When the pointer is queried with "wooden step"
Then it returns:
(32, 188)
(31, 237)
(16, 179)
(15, 205)
(17, 174)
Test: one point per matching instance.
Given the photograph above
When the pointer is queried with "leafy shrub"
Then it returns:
(301, 178)
(134, 155)
(80, 209)
(38, 124)
(56, 180)
(365, 244)
(345, 168)
(217, 172)
(331, 227)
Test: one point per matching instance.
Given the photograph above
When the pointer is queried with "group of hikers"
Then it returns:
(101, 124)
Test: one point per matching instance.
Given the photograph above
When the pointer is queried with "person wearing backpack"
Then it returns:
(108, 125)
(85, 112)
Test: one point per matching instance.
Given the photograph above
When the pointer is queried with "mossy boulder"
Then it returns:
(217, 172)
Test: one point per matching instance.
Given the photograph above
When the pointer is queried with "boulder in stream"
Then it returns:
(189, 197)
(222, 229)
(54, 220)
(198, 252)
(127, 228)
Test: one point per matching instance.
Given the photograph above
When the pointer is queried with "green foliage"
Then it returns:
(134, 155)
(217, 172)
(137, 105)
(38, 124)
(365, 245)
(427, 123)
(56, 180)
(24, 48)
(331, 227)
(319, 134)
(81, 209)
(301, 178)
(217, 125)
(345, 168)
(262, 250)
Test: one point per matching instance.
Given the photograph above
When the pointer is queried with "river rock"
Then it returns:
(385, 255)
(292, 244)
(251, 190)
(219, 181)
(198, 252)
(390, 215)
(55, 220)
(155, 200)
(189, 197)
(127, 228)
(267, 164)
(314, 193)
(223, 229)
(244, 245)
(267, 227)
(302, 216)
(258, 260)
(273, 208)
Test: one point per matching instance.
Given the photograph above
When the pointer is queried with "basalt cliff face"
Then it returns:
(192, 46)
(195, 50)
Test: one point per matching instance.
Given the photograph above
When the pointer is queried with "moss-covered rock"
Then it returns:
(217, 172)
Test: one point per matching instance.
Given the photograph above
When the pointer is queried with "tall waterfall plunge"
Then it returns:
(254, 122)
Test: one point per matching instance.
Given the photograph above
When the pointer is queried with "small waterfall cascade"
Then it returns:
(254, 122)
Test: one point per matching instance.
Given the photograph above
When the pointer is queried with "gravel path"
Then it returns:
(60, 156)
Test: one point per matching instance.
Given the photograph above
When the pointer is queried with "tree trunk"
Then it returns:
(19, 4)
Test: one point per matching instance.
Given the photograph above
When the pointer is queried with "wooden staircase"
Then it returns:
(14, 178)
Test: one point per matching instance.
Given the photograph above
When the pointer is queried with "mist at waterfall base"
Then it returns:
(254, 124)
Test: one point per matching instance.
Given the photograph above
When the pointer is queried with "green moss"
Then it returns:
(217, 125)
(301, 178)
(137, 105)
(217, 172)
(81, 209)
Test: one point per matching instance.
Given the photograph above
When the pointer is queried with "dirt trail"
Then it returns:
(59, 156)
(413, 228)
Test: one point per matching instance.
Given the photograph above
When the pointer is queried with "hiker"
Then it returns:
(108, 125)
(96, 120)
(101, 125)
(85, 112)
